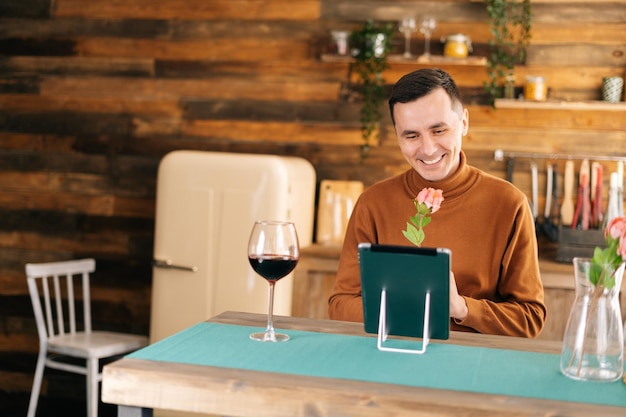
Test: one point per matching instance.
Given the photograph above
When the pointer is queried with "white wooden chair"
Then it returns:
(61, 332)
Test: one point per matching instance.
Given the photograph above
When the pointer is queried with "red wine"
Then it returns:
(273, 267)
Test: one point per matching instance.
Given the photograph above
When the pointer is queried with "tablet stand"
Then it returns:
(382, 326)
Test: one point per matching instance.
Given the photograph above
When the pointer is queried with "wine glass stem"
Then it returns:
(269, 332)
(427, 44)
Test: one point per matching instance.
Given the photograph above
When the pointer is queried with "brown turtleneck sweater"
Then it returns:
(487, 224)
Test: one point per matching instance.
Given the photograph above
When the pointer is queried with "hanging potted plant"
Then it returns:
(370, 45)
(509, 25)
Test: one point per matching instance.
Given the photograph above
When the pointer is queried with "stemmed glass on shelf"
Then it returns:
(427, 27)
(407, 26)
(273, 252)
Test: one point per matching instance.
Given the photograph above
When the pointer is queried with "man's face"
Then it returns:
(430, 133)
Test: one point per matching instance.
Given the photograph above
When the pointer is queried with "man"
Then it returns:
(495, 286)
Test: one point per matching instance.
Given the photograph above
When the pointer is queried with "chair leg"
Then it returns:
(92, 387)
(34, 393)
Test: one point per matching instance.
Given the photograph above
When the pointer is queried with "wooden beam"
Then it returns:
(189, 9)
(101, 205)
(232, 49)
(552, 119)
(294, 133)
(227, 87)
(129, 105)
(79, 65)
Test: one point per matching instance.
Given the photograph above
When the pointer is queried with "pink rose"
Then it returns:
(617, 230)
(431, 197)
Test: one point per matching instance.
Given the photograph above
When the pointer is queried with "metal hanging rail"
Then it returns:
(499, 155)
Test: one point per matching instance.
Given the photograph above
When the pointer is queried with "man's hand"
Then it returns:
(458, 308)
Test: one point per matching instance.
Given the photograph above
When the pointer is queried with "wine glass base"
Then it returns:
(267, 337)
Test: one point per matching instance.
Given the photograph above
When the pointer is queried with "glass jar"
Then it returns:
(341, 41)
(535, 88)
(457, 45)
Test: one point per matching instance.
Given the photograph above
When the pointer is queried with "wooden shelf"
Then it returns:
(559, 105)
(400, 59)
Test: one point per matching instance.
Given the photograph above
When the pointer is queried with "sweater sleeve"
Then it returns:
(345, 303)
(521, 310)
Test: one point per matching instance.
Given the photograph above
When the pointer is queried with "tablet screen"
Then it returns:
(406, 273)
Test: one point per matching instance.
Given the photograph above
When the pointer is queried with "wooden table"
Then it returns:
(138, 386)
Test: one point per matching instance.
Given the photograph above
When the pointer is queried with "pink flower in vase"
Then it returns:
(616, 229)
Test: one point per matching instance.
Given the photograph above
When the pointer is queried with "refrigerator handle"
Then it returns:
(168, 264)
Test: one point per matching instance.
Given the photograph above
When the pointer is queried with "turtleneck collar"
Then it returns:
(453, 186)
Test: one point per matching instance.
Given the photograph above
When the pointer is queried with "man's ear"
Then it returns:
(465, 121)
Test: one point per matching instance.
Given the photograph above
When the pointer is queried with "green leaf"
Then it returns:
(413, 235)
(604, 263)
(415, 220)
(595, 273)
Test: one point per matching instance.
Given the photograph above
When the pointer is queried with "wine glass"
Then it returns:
(427, 26)
(407, 26)
(273, 252)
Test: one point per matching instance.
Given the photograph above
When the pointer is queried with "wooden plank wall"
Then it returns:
(94, 92)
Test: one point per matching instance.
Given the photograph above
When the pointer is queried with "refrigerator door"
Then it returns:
(205, 207)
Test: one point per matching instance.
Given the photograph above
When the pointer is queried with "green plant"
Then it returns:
(509, 25)
(370, 45)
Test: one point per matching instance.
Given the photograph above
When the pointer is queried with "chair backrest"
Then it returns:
(58, 315)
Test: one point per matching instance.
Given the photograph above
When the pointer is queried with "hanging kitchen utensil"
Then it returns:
(579, 206)
(535, 196)
(567, 207)
(612, 207)
(582, 210)
(586, 208)
(550, 225)
(555, 215)
(546, 210)
(596, 195)
(599, 191)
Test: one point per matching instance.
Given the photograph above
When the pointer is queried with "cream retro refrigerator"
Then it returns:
(206, 204)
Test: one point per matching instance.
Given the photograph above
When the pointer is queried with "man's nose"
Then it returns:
(429, 144)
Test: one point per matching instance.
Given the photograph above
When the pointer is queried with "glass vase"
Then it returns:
(593, 342)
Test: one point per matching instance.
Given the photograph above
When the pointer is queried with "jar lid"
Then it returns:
(456, 37)
(534, 79)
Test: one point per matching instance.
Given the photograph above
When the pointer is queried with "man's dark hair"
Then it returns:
(421, 82)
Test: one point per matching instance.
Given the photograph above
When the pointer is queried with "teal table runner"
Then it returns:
(453, 367)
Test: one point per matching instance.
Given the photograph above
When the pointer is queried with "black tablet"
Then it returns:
(407, 274)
